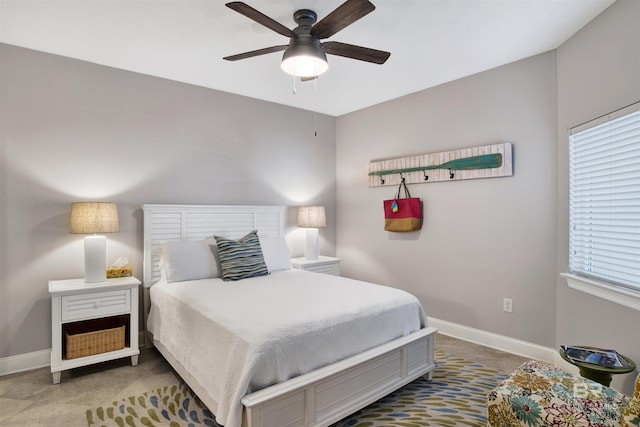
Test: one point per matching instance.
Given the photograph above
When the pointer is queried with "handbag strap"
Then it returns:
(406, 190)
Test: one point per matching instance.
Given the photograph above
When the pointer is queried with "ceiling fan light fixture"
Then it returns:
(305, 56)
(303, 60)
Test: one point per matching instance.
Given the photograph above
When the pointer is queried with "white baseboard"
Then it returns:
(495, 341)
(25, 362)
(42, 358)
(36, 359)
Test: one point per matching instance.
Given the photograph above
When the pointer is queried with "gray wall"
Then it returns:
(505, 237)
(482, 240)
(74, 131)
(598, 72)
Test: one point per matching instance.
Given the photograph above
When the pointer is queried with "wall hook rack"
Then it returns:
(487, 161)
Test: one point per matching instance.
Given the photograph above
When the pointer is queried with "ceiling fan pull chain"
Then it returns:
(315, 106)
(294, 85)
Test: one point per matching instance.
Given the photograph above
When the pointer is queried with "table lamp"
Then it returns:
(93, 218)
(311, 218)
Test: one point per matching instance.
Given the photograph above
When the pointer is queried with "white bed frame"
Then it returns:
(318, 398)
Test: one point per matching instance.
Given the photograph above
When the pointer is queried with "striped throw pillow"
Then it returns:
(240, 259)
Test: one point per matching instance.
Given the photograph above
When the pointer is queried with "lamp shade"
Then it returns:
(93, 217)
(311, 217)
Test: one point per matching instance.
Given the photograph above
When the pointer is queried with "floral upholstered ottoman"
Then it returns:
(541, 394)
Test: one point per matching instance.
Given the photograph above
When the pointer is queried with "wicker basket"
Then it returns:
(100, 337)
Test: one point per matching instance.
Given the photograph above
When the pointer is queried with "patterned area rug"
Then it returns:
(455, 397)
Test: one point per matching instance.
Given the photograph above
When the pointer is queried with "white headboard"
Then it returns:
(163, 223)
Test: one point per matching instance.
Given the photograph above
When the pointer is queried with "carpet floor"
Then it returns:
(455, 397)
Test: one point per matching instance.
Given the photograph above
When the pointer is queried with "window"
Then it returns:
(604, 200)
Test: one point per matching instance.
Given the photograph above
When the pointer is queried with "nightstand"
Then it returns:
(324, 264)
(79, 313)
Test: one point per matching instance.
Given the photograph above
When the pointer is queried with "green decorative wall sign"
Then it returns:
(489, 161)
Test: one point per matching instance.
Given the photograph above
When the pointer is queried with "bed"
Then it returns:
(279, 348)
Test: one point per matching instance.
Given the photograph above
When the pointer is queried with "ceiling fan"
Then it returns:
(305, 56)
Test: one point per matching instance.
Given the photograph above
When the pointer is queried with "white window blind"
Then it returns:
(604, 198)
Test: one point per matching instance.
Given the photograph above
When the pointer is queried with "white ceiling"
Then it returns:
(431, 42)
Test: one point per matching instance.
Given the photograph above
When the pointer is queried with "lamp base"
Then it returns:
(95, 259)
(311, 248)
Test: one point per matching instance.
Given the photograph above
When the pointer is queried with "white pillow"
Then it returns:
(189, 260)
(275, 253)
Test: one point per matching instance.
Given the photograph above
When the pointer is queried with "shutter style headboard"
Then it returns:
(164, 223)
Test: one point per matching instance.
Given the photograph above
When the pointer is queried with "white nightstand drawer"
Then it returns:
(96, 304)
(332, 268)
(323, 264)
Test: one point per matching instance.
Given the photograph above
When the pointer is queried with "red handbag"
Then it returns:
(403, 214)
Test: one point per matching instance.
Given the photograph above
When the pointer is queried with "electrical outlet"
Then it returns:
(507, 305)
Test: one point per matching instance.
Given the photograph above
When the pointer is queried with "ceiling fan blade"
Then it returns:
(257, 52)
(260, 18)
(356, 52)
(345, 15)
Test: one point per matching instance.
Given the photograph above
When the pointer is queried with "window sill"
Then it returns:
(622, 296)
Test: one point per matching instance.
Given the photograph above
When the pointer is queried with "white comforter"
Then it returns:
(238, 337)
